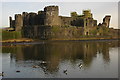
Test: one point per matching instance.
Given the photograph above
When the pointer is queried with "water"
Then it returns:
(98, 59)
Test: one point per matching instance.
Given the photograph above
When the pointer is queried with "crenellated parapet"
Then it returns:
(87, 13)
(51, 8)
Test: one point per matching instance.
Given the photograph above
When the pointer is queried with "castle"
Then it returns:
(48, 24)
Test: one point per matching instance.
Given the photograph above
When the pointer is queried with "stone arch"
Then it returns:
(87, 33)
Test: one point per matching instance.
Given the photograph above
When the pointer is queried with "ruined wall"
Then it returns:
(106, 20)
(65, 20)
(36, 32)
(48, 24)
(50, 33)
(10, 20)
(79, 22)
(25, 18)
(94, 22)
(18, 22)
(68, 33)
(89, 24)
(40, 18)
(50, 17)
(32, 18)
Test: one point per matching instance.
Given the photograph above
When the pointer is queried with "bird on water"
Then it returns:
(65, 71)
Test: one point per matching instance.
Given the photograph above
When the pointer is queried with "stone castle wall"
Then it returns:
(54, 32)
(48, 24)
(106, 20)
(51, 16)
(18, 22)
(65, 20)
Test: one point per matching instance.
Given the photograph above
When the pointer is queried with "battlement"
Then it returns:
(17, 15)
(32, 13)
(51, 8)
(87, 13)
(25, 13)
(51, 15)
(41, 12)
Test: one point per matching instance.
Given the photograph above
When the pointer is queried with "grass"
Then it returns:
(11, 35)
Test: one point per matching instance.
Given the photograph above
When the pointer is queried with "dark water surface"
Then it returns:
(65, 59)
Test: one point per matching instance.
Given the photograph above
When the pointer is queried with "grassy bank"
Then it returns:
(90, 38)
(17, 40)
(13, 36)
(6, 35)
(16, 36)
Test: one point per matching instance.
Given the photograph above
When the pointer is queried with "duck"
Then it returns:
(35, 66)
(2, 74)
(43, 62)
(17, 71)
(65, 71)
(80, 65)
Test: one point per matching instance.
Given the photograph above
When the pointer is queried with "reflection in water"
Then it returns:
(53, 53)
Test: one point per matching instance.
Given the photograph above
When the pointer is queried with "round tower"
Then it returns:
(51, 15)
(18, 22)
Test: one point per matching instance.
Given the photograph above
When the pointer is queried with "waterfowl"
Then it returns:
(65, 71)
(43, 62)
(17, 71)
(35, 66)
(80, 65)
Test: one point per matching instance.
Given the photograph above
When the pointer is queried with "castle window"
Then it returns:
(86, 23)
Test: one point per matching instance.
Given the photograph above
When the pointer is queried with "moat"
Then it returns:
(61, 59)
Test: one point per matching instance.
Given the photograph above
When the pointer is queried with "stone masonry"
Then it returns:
(50, 17)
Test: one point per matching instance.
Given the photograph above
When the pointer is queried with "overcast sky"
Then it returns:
(99, 9)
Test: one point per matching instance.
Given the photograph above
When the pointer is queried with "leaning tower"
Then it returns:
(51, 15)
